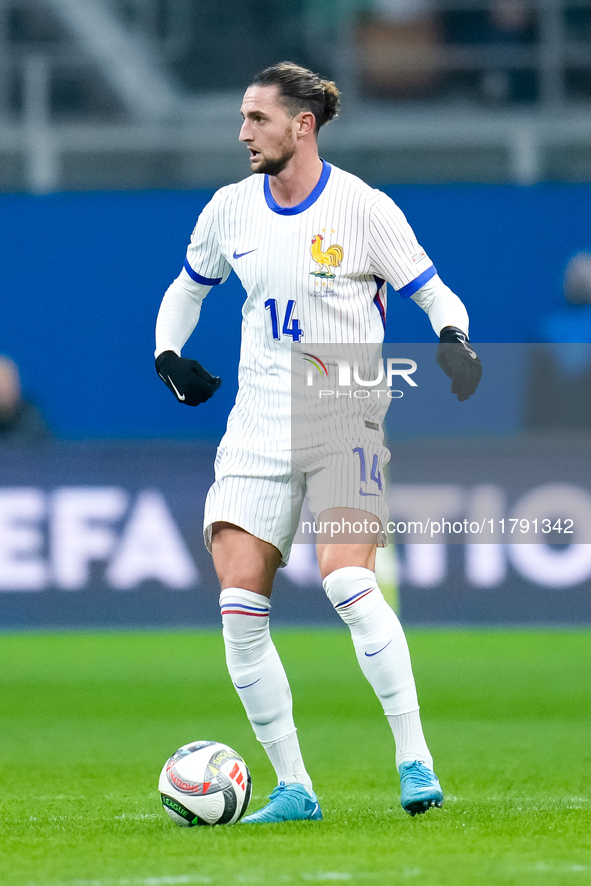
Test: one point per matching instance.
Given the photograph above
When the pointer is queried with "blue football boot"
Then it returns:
(419, 788)
(288, 802)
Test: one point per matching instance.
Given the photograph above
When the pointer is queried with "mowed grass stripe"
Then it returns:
(88, 719)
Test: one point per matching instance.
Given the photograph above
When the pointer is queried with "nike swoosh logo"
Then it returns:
(176, 390)
(242, 254)
(371, 654)
(472, 353)
(247, 685)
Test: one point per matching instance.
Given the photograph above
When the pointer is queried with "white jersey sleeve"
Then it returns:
(205, 266)
(178, 315)
(442, 306)
(205, 263)
(394, 251)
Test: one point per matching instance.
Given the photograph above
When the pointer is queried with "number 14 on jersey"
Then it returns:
(291, 327)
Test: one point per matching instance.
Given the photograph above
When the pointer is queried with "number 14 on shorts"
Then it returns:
(375, 475)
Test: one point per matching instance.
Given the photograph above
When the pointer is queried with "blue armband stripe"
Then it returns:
(416, 284)
(207, 281)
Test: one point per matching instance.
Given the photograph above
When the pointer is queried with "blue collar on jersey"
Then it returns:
(310, 199)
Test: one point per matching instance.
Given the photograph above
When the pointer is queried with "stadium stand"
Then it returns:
(127, 93)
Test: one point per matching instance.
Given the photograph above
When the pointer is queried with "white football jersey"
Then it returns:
(313, 273)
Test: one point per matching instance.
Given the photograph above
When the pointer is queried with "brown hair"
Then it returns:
(302, 90)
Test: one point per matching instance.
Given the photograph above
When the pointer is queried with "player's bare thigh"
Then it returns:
(352, 548)
(243, 561)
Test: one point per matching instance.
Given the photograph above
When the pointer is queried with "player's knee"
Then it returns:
(353, 591)
(243, 561)
(245, 617)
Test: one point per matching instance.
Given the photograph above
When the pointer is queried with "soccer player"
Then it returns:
(312, 245)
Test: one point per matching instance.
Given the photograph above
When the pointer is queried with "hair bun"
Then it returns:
(302, 89)
(331, 97)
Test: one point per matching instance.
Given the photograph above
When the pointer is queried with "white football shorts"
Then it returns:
(263, 492)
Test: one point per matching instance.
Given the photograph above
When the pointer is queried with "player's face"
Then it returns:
(268, 131)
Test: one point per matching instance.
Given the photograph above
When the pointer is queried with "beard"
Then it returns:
(275, 165)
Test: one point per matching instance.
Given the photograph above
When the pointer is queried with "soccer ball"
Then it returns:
(205, 783)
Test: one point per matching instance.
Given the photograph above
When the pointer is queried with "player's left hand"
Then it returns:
(458, 361)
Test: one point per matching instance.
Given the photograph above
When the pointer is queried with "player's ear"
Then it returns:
(306, 122)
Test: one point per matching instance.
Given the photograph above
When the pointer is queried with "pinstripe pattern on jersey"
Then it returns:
(275, 263)
(320, 418)
(203, 254)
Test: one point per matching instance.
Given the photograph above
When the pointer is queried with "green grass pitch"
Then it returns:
(88, 720)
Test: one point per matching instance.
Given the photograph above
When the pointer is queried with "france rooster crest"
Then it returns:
(326, 259)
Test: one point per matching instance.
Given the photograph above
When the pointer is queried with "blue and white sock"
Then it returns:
(260, 681)
(382, 652)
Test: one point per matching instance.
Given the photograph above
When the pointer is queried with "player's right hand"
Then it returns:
(187, 379)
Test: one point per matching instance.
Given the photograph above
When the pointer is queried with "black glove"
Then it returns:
(187, 379)
(458, 361)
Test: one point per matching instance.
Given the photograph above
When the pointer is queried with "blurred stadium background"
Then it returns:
(117, 120)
